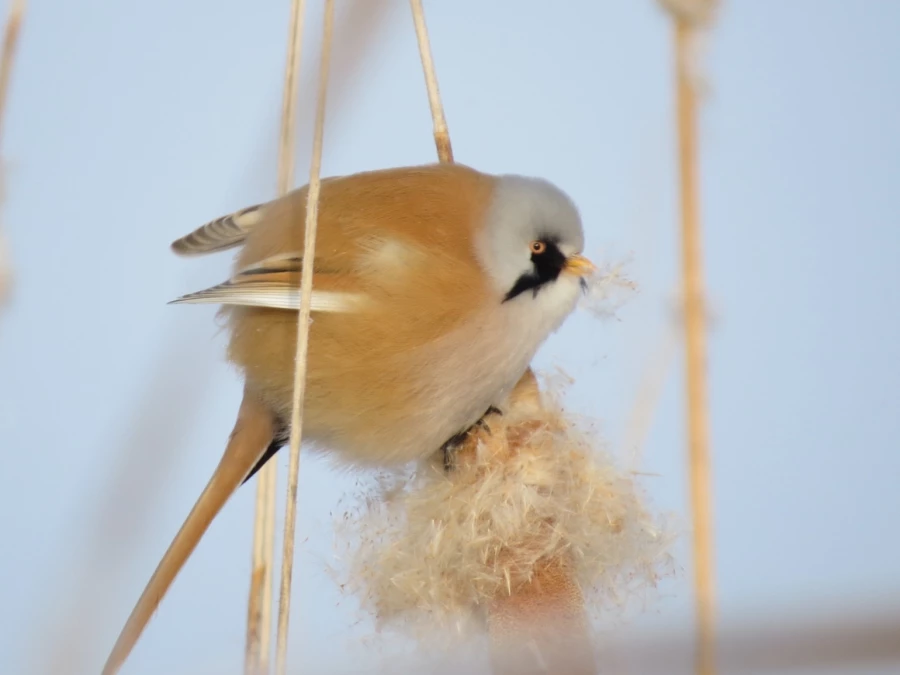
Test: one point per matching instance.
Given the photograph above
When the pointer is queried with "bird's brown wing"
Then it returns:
(376, 230)
(430, 208)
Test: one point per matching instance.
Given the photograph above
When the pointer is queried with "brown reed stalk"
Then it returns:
(441, 133)
(687, 17)
(10, 42)
(259, 605)
(306, 281)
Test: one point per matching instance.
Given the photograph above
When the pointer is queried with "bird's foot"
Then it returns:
(449, 448)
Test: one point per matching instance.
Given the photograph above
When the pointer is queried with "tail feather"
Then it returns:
(253, 432)
(219, 234)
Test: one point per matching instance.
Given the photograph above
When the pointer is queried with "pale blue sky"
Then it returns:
(132, 123)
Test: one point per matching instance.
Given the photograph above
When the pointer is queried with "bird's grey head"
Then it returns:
(532, 239)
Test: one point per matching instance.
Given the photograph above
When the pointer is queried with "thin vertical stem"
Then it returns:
(259, 610)
(289, 100)
(695, 354)
(441, 134)
(306, 282)
(259, 567)
(265, 633)
(10, 42)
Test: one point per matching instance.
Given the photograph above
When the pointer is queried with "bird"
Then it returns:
(433, 288)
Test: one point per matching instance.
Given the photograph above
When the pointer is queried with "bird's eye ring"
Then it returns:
(538, 247)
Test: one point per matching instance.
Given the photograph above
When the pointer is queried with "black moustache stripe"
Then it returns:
(546, 268)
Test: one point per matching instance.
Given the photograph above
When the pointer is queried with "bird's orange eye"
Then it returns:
(538, 247)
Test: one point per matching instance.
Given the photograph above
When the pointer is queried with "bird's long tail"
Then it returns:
(252, 434)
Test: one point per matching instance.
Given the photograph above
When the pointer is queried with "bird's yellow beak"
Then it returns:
(579, 266)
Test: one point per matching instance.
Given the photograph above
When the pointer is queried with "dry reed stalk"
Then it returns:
(441, 133)
(10, 42)
(687, 18)
(306, 280)
(259, 605)
(695, 354)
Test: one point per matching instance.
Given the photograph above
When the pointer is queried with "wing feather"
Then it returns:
(275, 282)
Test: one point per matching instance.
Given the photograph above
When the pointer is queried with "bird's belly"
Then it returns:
(414, 421)
(420, 399)
(375, 406)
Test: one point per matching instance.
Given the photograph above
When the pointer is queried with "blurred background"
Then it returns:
(129, 124)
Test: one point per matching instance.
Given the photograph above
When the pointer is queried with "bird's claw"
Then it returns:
(449, 448)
